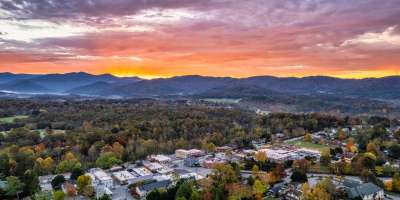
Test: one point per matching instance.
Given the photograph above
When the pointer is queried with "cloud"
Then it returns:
(389, 38)
(208, 36)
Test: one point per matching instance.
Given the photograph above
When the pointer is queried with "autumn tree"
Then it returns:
(84, 184)
(261, 156)
(308, 137)
(325, 156)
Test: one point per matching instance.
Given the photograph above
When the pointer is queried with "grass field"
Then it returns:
(308, 145)
(12, 119)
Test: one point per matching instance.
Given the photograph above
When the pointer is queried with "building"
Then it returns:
(182, 153)
(45, 183)
(309, 153)
(101, 177)
(124, 177)
(212, 162)
(141, 174)
(223, 149)
(279, 154)
(366, 191)
(160, 159)
(143, 190)
(191, 162)
(152, 166)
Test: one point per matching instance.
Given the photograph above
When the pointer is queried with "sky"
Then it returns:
(237, 38)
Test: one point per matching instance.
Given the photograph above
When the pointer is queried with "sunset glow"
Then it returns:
(164, 38)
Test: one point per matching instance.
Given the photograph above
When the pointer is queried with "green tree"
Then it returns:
(57, 182)
(14, 186)
(107, 160)
(69, 163)
(185, 190)
(76, 172)
(58, 195)
(43, 196)
(104, 197)
(31, 181)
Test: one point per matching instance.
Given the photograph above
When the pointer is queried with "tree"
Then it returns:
(83, 182)
(104, 197)
(185, 190)
(107, 160)
(259, 188)
(69, 162)
(350, 146)
(46, 165)
(298, 176)
(43, 196)
(31, 182)
(4, 165)
(394, 151)
(70, 190)
(388, 185)
(325, 156)
(341, 135)
(396, 182)
(371, 148)
(195, 195)
(118, 149)
(308, 137)
(76, 172)
(154, 195)
(58, 195)
(14, 186)
(261, 156)
(57, 182)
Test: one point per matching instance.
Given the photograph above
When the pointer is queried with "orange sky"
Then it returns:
(210, 37)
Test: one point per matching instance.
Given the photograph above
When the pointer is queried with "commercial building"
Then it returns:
(182, 153)
(124, 177)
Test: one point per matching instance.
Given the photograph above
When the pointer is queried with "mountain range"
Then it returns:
(386, 88)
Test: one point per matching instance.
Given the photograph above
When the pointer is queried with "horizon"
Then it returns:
(146, 78)
(219, 38)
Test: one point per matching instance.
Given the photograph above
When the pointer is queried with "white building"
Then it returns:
(141, 174)
(160, 159)
(45, 182)
(152, 166)
(279, 154)
(102, 178)
(124, 177)
(183, 153)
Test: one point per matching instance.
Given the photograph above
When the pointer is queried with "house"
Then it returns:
(162, 159)
(101, 177)
(152, 166)
(212, 162)
(223, 149)
(143, 190)
(124, 177)
(142, 174)
(102, 190)
(45, 183)
(182, 153)
(191, 162)
(366, 191)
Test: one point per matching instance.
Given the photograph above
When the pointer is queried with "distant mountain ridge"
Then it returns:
(201, 86)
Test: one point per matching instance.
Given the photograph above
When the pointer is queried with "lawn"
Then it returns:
(9, 120)
(308, 145)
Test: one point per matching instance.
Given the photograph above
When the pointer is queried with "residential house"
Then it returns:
(143, 190)
(366, 191)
